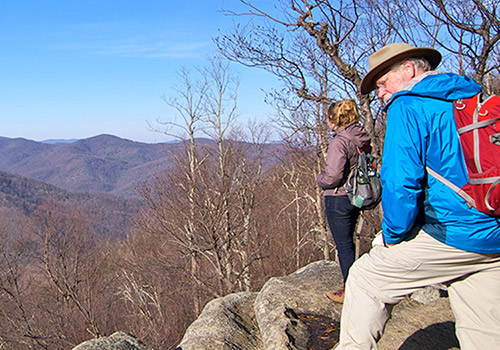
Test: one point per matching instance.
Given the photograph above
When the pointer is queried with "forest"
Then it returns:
(228, 216)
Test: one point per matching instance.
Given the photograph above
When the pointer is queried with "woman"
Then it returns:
(341, 159)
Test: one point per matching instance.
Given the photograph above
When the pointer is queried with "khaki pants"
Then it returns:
(385, 275)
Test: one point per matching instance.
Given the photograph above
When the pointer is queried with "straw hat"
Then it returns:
(391, 54)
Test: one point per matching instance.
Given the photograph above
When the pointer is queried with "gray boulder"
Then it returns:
(116, 341)
(283, 299)
(429, 294)
(225, 323)
(270, 319)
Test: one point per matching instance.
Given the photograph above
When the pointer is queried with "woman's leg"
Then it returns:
(342, 216)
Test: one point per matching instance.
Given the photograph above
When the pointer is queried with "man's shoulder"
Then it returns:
(405, 101)
(440, 86)
(418, 108)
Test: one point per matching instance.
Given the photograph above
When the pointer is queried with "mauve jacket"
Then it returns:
(342, 157)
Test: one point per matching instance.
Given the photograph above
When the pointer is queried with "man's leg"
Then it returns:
(475, 301)
(385, 275)
(361, 329)
(365, 311)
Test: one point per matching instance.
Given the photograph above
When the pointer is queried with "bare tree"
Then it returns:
(20, 328)
(73, 267)
(191, 108)
(55, 282)
(251, 169)
(319, 49)
(221, 113)
(468, 30)
(316, 48)
(203, 210)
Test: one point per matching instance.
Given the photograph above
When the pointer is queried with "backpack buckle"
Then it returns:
(482, 114)
(495, 139)
(459, 104)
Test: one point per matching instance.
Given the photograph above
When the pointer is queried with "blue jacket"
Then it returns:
(421, 132)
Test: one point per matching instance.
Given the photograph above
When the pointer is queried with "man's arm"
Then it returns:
(402, 167)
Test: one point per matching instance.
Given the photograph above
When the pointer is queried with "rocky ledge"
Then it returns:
(116, 341)
(292, 313)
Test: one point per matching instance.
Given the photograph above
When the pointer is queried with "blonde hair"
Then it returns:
(343, 113)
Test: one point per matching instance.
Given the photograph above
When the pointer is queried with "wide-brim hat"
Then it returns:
(391, 54)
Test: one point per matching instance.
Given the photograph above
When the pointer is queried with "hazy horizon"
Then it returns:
(71, 70)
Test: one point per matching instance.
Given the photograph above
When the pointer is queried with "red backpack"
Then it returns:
(477, 119)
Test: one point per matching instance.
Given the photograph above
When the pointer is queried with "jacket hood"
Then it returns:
(442, 86)
(356, 133)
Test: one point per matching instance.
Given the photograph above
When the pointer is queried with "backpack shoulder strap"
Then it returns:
(470, 201)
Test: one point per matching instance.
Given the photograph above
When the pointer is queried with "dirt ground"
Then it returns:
(414, 326)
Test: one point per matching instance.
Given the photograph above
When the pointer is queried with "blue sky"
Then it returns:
(79, 68)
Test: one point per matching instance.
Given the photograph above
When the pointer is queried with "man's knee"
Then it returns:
(366, 263)
(359, 271)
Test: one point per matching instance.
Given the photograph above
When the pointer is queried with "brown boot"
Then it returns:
(337, 296)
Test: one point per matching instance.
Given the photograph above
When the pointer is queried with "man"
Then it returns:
(431, 235)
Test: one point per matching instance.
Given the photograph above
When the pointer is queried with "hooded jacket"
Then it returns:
(342, 158)
(421, 132)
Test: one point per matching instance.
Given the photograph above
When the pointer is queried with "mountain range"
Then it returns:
(97, 176)
(104, 163)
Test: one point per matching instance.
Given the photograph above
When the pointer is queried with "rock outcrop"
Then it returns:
(225, 323)
(116, 341)
(292, 313)
(284, 300)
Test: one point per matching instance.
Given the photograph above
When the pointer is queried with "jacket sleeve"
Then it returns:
(403, 168)
(336, 160)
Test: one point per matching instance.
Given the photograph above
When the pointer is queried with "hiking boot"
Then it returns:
(337, 296)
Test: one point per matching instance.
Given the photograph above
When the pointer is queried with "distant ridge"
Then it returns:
(51, 141)
(26, 194)
(103, 163)
(100, 175)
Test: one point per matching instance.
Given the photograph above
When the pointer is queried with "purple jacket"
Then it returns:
(342, 157)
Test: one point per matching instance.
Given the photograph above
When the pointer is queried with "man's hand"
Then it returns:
(379, 240)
